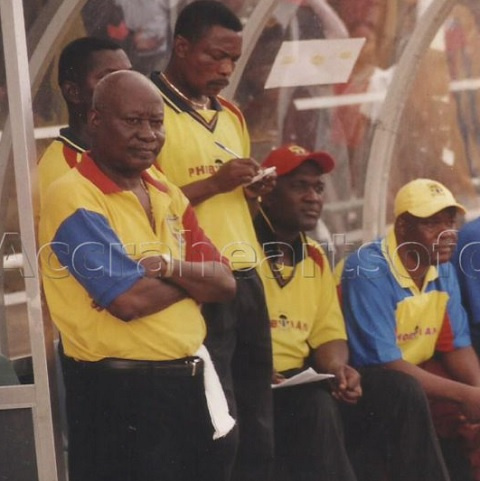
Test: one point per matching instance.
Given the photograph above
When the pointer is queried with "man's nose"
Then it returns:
(448, 232)
(313, 195)
(227, 66)
(145, 130)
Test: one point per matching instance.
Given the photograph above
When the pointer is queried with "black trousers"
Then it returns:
(132, 425)
(239, 342)
(387, 435)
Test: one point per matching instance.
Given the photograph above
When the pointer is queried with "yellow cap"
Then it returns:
(424, 198)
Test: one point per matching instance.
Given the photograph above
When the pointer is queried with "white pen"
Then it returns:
(226, 149)
(261, 173)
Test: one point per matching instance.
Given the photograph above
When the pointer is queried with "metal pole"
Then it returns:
(387, 126)
(21, 121)
(251, 33)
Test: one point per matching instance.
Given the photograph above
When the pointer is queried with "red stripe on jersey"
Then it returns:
(340, 295)
(89, 169)
(198, 246)
(157, 167)
(234, 109)
(446, 337)
(156, 183)
(70, 155)
(316, 255)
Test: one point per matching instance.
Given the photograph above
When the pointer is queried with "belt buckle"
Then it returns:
(194, 363)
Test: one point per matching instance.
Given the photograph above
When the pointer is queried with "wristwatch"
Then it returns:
(167, 258)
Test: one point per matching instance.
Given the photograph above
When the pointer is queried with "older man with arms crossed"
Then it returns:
(124, 267)
(402, 307)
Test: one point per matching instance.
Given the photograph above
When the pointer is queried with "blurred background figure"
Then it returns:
(148, 24)
(142, 27)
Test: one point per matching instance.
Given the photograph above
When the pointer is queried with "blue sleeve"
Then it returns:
(94, 255)
(455, 310)
(369, 308)
(467, 263)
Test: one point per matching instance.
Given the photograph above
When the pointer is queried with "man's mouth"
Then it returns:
(218, 84)
(144, 153)
(311, 213)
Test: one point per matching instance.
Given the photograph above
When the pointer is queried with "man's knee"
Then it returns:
(401, 388)
(325, 405)
(311, 406)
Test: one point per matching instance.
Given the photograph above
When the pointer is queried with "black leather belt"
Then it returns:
(187, 366)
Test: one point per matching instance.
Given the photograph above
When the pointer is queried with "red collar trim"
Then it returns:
(155, 182)
(89, 169)
(70, 155)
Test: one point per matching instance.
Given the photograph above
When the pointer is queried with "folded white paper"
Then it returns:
(309, 375)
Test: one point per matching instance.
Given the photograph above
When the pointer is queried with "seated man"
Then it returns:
(125, 268)
(466, 260)
(388, 409)
(402, 309)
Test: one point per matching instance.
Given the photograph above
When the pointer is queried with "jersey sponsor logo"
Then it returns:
(201, 170)
(283, 322)
(416, 333)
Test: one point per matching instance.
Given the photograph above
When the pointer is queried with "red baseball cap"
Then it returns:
(291, 156)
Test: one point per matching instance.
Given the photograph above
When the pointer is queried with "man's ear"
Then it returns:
(401, 227)
(71, 92)
(181, 46)
(93, 119)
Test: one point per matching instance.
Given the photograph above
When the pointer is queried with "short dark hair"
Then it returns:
(75, 59)
(199, 16)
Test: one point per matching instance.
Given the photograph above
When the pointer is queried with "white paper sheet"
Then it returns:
(314, 62)
(309, 375)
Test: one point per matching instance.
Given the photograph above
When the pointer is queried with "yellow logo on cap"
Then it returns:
(436, 189)
(296, 149)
